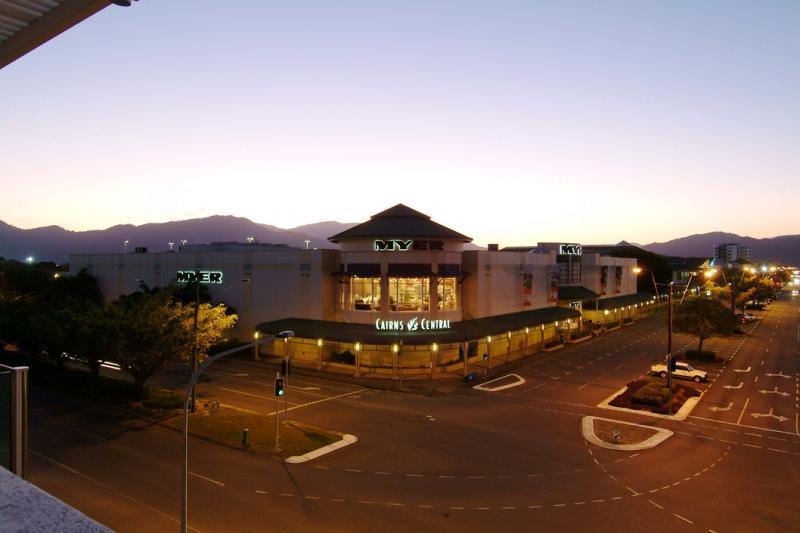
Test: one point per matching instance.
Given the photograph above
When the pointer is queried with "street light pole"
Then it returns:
(194, 343)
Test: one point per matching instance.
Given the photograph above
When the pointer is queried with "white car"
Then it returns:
(682, 370)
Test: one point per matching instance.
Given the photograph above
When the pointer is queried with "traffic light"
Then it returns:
(279, 387)
(673, 363)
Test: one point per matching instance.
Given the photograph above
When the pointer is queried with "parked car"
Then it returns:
(682, 370)
(745, 318)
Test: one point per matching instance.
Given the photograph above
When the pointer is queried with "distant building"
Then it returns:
(731, 252)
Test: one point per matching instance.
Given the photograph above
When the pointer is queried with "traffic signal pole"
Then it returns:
(669, 347)
(277, 415)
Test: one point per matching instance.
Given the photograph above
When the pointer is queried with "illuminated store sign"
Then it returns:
(569, 249)
(206, 276)
(413, 324)
(400, 245)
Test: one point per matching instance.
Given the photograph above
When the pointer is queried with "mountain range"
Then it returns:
(54, 243)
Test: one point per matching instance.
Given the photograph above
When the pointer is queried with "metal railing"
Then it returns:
(14, 419)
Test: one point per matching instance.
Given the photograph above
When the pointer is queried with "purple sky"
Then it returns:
(512, 122)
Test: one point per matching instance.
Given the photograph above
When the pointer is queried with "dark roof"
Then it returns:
(575, 292)
(399, 221)
(465, 330)
(617, 301)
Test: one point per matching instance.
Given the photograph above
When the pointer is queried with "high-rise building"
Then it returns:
(731, 252)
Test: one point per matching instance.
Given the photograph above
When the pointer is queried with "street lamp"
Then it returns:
(125, 246)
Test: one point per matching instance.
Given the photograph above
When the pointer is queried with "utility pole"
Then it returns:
(194, 344)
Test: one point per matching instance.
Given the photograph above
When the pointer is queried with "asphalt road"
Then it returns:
(510, 460)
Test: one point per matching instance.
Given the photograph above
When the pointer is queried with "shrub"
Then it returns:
(581, 334)
(346, 357)
(553, 343)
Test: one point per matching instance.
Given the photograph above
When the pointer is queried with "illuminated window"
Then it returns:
(447, 291)
(409, 294)
(365, 294)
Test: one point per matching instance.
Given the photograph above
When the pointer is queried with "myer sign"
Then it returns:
(206, 276)
(569, 249)
(404, 245)
(413, 324)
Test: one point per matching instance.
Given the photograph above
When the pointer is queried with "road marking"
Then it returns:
(396, 504)
(366, 502)
(743, 408)
(383, 473)
(414, 475)
(285, 494)
(320, 400)
(717, 409)
(337, 500)
(311, 497)
(485, 386)
(776, 450)
(107, 487)
(353, 470)
(742, 425)
(779, 418)
(582, 386)
(633, 491)
(745, 370)
(739, 386)
(751, 445)
(305, 388)
(774, 391)
(214, 481)
(683, 518)
(654, 503)
(248, 394)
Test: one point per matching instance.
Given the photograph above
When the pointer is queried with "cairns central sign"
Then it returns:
(413, 324)
(203, 276)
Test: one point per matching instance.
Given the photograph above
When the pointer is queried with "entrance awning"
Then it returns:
(575, 293)
(462, 331)
(617, 301)
(362, 270)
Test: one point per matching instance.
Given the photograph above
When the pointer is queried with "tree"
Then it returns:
(146, 328)
(703, 318)
(143, 333)
(212, 322)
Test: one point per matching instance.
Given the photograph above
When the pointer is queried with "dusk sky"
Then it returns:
(511, 122)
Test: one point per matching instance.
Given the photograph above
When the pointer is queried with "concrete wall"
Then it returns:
(282, 283)
(494, 284)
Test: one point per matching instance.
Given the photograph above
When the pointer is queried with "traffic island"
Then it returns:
(227, 426)
(651, 397)
(623, 436)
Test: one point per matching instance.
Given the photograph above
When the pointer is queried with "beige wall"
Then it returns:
(283, 283)
(494, 284)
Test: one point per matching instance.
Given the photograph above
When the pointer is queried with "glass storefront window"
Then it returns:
(409, 294)
(447, 291)
(365, 294)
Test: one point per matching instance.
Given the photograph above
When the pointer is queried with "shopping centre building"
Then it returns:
(398, 295)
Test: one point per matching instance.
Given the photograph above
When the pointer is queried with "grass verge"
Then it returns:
(225, 425)
(628, 434)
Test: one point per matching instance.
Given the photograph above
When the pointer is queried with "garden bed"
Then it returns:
(628, 433)
(651, 394)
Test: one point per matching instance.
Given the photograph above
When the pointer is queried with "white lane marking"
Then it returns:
(745, 370)
(743, 409)
(774, 391)
(739, 386)
(582, 386)
(654, 503)
(107, 487)
(771, 414)
(305, 388)
(683, 518)
(717, 409)
(321, 400)
(214, 481)
(243, 393)
(778, 375)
